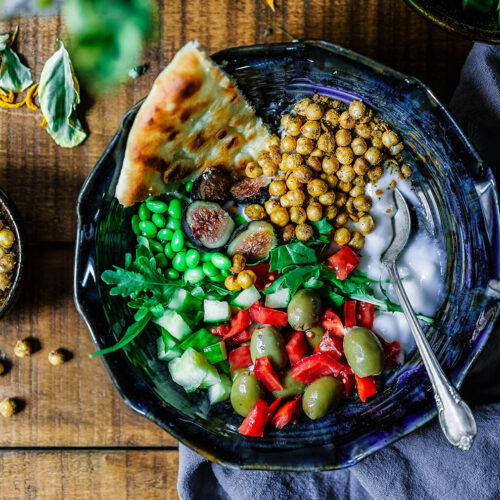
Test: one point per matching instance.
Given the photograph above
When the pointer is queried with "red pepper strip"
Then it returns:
(268, 316)
(220, 331)
(243, 336)
(264, 371)
(238, 323)
(331, 344)
(296, 348)
(349, 382)
(256, 420)
(290, 411)
(240, 358)
(365, 315)
(343, 262)
(349, 313)
(392, 352)
(307, 370)
(366, 387)
(263, 275)
(331, 321)
(273, 407)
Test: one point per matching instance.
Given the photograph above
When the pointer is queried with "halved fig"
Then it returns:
(212, 185)
(207, 225)
(253, 240)
(251, 190)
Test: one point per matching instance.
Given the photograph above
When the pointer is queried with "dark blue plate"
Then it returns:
(458, 193)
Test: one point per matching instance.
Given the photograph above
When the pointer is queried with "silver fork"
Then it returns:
(455, 416)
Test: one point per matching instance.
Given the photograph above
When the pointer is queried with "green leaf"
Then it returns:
(294, 254)
(322, 226)
(59, 94)
(14, 75)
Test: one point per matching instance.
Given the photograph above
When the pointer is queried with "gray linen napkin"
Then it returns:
(422, 465)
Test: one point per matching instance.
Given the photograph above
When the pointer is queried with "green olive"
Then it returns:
(268, 341)
(245, 392)
(291, 387)
(322, 396)
(363, 352)
(304, 310)
(313, 335)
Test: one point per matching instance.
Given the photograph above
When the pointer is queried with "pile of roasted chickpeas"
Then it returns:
(241, 278)
(320, 167)
(7, 260)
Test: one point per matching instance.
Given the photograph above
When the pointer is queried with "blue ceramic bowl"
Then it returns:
(456, 189)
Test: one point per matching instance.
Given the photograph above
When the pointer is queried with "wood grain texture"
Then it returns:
(82, 475)
(70, 405)
(45, 180)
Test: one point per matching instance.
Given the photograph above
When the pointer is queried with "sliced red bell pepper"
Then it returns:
(243, 336)
(263, 275)
(256, 420)
(365, 314)
(296, 348)
(366, 387)
(349, 313)
(273, 407)
(307, 370)
(349, 382)
(220, 331)
(240, 358)
(239, 322)
(392, 351)
(331, 321)
(332, 344)
(268, 316)
(264, 371)
(343, 262)
(290, 411)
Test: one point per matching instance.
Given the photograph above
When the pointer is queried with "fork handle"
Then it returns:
(455, 416)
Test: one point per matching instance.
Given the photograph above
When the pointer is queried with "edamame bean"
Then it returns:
(161, 260)
(159, 220)
(193, 275)
(192, 258)
(179, 262)
(168, 251)
(221, 261)
(209, 269)
(148, 228)
(173, 224)
(156, 246)
(135, 224)
(206, 257)
(177, 241)
(189, 186)
(157, 206)
(175, 209)
(144, 213)
(165, 234)
(172, 274)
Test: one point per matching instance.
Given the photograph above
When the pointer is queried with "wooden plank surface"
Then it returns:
(92, 475)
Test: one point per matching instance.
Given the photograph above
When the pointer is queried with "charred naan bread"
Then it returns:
(193, 118)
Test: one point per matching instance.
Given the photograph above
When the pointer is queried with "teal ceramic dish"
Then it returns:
(459, 194)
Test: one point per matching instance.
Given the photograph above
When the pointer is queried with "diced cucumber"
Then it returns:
(279, 299)
(199, 340)
(216, 311)
(182, 300)
(247, 298)
(220, 391)
(189, 370)
(211, 378)
(216, 352)
(167, 353)
(174, 323)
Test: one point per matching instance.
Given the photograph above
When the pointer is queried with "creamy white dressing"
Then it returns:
(422, 263)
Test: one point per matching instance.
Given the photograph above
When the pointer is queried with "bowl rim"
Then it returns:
(146, 402)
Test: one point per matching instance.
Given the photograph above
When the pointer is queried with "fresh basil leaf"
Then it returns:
(322, 226)
(59, 94)
(14, 75)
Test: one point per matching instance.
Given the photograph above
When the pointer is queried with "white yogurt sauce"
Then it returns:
(422, 263)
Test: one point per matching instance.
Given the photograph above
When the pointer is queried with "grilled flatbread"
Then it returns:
(194, 118)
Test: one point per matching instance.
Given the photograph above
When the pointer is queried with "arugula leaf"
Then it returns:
(294, 254)
(59, 94)
(322, 226)
(14, 75)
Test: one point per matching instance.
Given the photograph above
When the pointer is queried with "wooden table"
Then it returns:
(75, 438)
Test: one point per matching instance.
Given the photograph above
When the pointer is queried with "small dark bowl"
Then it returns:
(458, 193)
(10, 217)
(469, 23)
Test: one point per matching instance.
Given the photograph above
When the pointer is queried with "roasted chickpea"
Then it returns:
(344, 155)
(6, 238)
(304, 232)
(357, 191)
(346, 120)
(359, 180)
(239, 263)
(255, 211)
(341, 219)
(345, 186)
(376, 139)
(285, 119)
(343, 137)
(304, 145)
(246, 279)
(269, 168)
(361, 166)
(277, 188)
(368, 116)
(292, 182)
(362, 203)
(263, 156)
(298, 215)
(315, 163)
(317, 152)
(314, 111)
(331, 212)
(357, 241)
(330, 165)
(374, 174)
(284, 202)
(317, 187)
(373, 156)
(301, 106)
(342, 236)
(253, 170)
(296, 197)
(346, 173)
(56, 357)
(331, 117)
(7, 407)
(288, 232)
(288, 143)
(231, 283)
(274, 154)
(293, 126)
(314, 211)
(350, 207)
(359, 146)
(293, 161)
(280, 217)
(363, 130)
(272, 140)
(326, 142)
(366, 224)
(311, 130)
(23, 348)
(340, 199)
(394, 150)
(357, 109)
(303, 174)
(270, 204)
(406, 170)
(327, 198)
(389, 138)
(332, 180)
